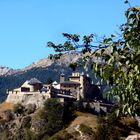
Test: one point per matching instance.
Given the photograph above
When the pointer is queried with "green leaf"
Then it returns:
(136, 68)
(129, 110)
(127, 62)
(117, 112)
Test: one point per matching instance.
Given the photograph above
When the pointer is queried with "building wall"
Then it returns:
(84, 86)
(75, 79)
(73, 89)
(81, 91)
(62, 78)
(25, 98)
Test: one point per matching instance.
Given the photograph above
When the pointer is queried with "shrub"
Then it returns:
(106, 130)
(4, 135)
(26, 121)
(80, 106)
(38, 125)
(69, 112)
(75, 134)
(18, 109)
(86, 129)
(55, 137)
(65, 135)
(129, 122)
(9, 115)
(42, 114)
(28, 135)
(53, 114)
(30, 108)
(19, 134)
(61, 135)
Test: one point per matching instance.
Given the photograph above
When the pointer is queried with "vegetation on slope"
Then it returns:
(57, 121)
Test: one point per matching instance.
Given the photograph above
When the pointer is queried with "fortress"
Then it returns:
(77, 87)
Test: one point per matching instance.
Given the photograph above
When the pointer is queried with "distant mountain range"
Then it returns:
(42, 70)
(6, 71)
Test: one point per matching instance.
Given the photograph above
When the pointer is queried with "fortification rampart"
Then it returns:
(37, 98)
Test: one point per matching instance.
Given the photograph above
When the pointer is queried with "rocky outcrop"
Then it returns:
(7, 71)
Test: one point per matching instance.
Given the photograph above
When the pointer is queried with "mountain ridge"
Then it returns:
(42, 63)
(6, 70)
(42, 70)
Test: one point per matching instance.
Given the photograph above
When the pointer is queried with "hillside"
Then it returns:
(84, 118)
(89, 121)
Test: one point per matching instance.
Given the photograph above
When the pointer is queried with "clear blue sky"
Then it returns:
(27, 25)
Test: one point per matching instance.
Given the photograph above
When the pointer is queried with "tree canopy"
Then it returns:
(120, 65)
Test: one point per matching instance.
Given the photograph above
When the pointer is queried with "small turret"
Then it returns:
(62, 78)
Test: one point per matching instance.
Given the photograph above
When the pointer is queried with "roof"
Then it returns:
(74, 76)
(54, 83)
(62, 74)
(25, 84)
(44, 89)
(70, 82)
(34, 81)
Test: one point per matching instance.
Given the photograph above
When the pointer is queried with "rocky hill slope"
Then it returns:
(7, 71)
(42, 70)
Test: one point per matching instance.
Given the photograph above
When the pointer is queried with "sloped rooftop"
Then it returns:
(70, 82)
(34, 81)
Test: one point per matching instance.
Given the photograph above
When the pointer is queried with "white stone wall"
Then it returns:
(28, 98)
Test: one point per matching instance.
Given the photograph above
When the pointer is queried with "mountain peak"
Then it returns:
(5, 70)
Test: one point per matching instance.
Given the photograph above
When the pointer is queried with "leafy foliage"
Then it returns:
(118, 60)
(86, 129)
(62, 135)
(26, 122)
(106, 131)
(68, 112)
(53, 114)
(30, 108)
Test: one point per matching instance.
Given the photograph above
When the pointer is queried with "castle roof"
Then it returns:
(34, 81)
(62, 74)
(74, 76)
(70, 82)
(54, 83)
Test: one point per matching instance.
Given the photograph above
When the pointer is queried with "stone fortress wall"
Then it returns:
(31, 92)
(25, 98)
(77, 87)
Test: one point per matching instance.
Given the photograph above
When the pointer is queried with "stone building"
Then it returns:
(79, 85)
(31, 92)
(32, 85)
